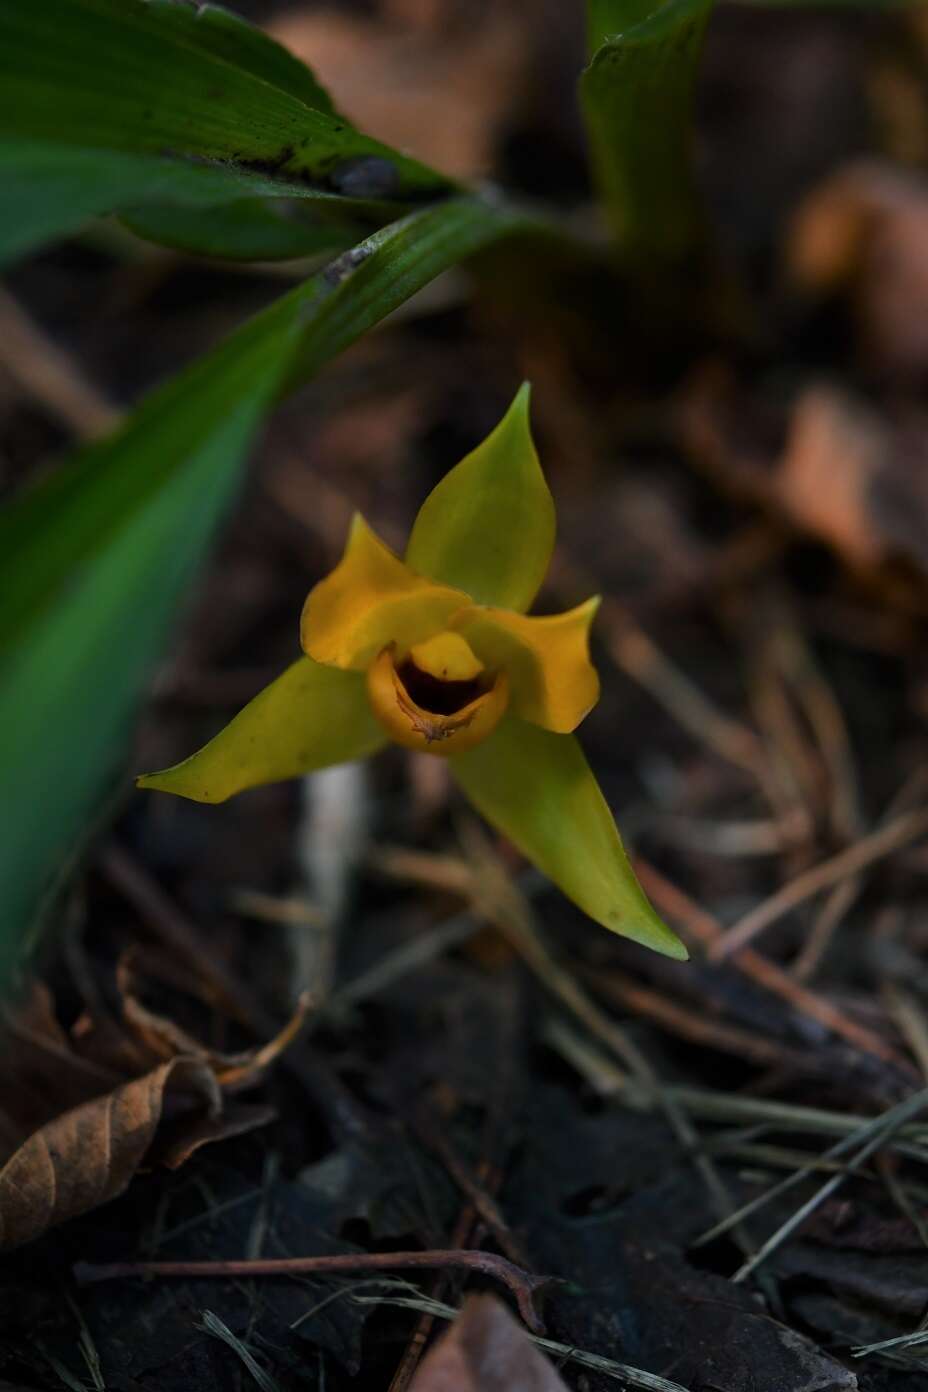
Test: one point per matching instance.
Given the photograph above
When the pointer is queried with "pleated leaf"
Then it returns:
(108, 105)
(637, 96)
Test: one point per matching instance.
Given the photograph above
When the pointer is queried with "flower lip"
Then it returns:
(436, 695)
(423, 712)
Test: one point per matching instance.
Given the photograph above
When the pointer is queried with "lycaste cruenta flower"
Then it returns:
(436, 652)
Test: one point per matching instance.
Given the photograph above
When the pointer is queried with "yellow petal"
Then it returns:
(370, 599)
(553, 682)
(538, 790)
(309, 718)
(415, 726)
(488, 526)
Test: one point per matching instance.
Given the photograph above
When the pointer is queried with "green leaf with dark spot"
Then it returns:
(110, 104)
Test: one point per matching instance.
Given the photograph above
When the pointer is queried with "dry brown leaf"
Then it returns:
(433, 87)
(82, 1111)
(835, 451)
(174, 1146)
(162, 1038)
(866, 231)
(88, 1155)
(828, 464)
(486, 1350)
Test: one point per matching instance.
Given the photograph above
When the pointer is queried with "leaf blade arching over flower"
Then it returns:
(488, 527)
(371, 599)
(537, 788)
(309, 718)
(553, 682)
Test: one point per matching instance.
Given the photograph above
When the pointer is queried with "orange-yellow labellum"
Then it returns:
(426, 713)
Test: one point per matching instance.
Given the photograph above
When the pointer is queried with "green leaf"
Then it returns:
(538, 790)
(309, 718)
(882, 5)
(95, 559)
(488, 527)
(219, 33)
(637, 97)
(248, 229)
(109, 104)
(606, 18)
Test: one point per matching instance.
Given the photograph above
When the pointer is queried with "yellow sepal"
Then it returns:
(488, 526)
(307, 719)
(538, 790)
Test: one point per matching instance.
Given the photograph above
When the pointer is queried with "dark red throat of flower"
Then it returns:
(437, 696)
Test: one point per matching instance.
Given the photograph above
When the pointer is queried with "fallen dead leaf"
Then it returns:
(434, 84)
(86, 1156)
(827, 463)
(164, 1039)
(835, 451)
(82, 1111)
(486, 1350)
(865, 232)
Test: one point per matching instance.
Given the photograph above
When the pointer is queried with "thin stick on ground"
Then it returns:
(520, 1283)
(794, 771)
(622, 1372)
(640, 658)
(873, 1133)
(826, 720)
(882, 842)
(415, 1347)
(483, 1204)
(699, 926)
(843, 895)
(826, 923)
(882, 1128)
(488, 1173)
(698, 1027)
(609, 1081)
(211, 1324)
(171, 926)
(909, 1016)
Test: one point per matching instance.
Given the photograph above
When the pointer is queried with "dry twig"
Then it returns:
(699, 926)
(520, 1283)
(869, 849)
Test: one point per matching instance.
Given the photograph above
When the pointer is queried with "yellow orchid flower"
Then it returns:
(436, 652)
